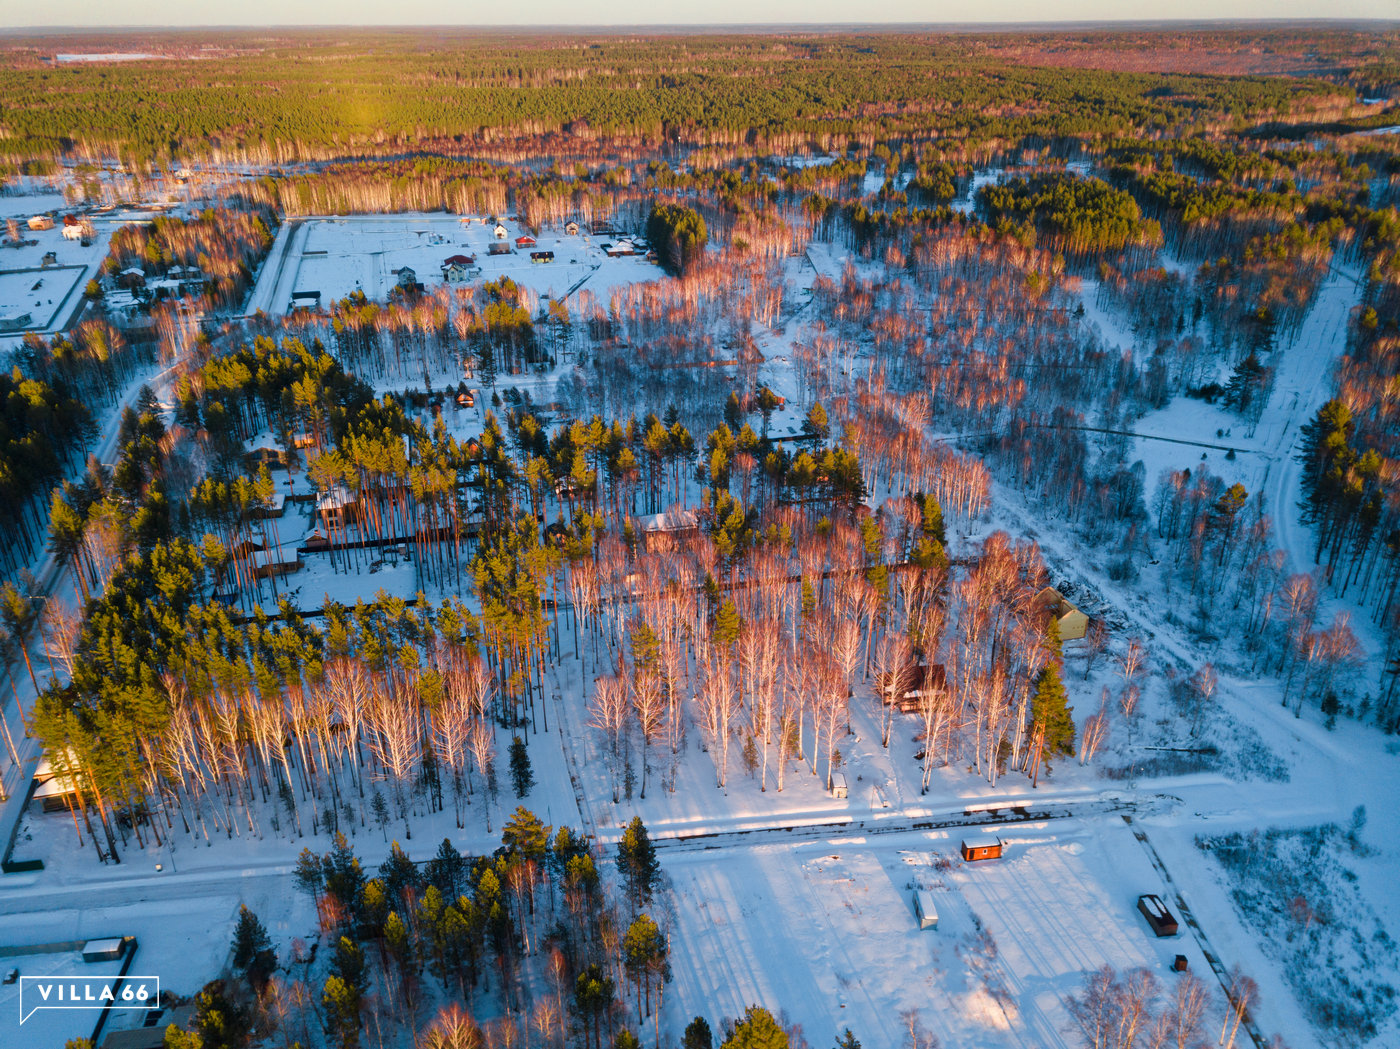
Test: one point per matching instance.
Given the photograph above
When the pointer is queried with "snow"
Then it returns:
(826, 931)
(339, 256)
(45, 1028)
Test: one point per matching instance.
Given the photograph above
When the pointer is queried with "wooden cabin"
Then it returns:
(986, 847)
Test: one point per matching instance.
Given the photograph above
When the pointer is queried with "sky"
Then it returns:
(88, 14)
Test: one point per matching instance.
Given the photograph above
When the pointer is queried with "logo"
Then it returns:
(87, 992)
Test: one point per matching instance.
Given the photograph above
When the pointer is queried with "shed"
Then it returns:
(40, 222)
(925, 910)
(1157, 915)
(838, 785)
(986, 847)
(15, 321)
(1071, 623)
(109, 950)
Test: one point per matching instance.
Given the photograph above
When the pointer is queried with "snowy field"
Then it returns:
(827, 930)
(49, 1028)
(39, 292)
(339, 256)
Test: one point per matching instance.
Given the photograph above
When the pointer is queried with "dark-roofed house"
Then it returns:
(541, 256)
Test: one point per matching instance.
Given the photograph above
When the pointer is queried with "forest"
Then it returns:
(931, 330)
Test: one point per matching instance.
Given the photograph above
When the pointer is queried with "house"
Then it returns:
(983, 847)
(1071, 623)
(622, 249)
(920, 679)
(74, 232)
(663, 532)
(408, 280)
(925, 910)
(541, 256)
(500, 232)
(571, 229)
(275, 505)
(151, 1034)
(276, 561)
(55, 791)
(40, 222)
(304, 300)
(524, 241)
(498, 248)
(457, 268)
(1157, 915)
(335, 506)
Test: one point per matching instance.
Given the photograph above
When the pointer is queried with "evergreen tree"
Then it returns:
(447, 870)
(847, 1040)
(677, 235)
(636, 859)
(593, 997)
(526, 834)
(252, 948)
(697, 1035)
(521, 775)
(400, 875)
(342, 1004)
(348, 963)
(757, 1030)
(1050, 708)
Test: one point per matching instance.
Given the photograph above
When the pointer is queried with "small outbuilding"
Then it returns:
(1157, 915)
(838, 785)
(109, 950)
(925, 910)
(40, 222)
(304, 300)
(983, 847)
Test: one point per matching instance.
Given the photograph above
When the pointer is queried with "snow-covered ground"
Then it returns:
(339, 256)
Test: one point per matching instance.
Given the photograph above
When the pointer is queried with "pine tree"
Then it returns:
(447, 870)
(342, 1003)
(757, 1030)
(636, 859)
(697, 1035)
(1050, 708)
(521, 775)
(527, 834)
(847, 1040)
(252, 948)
